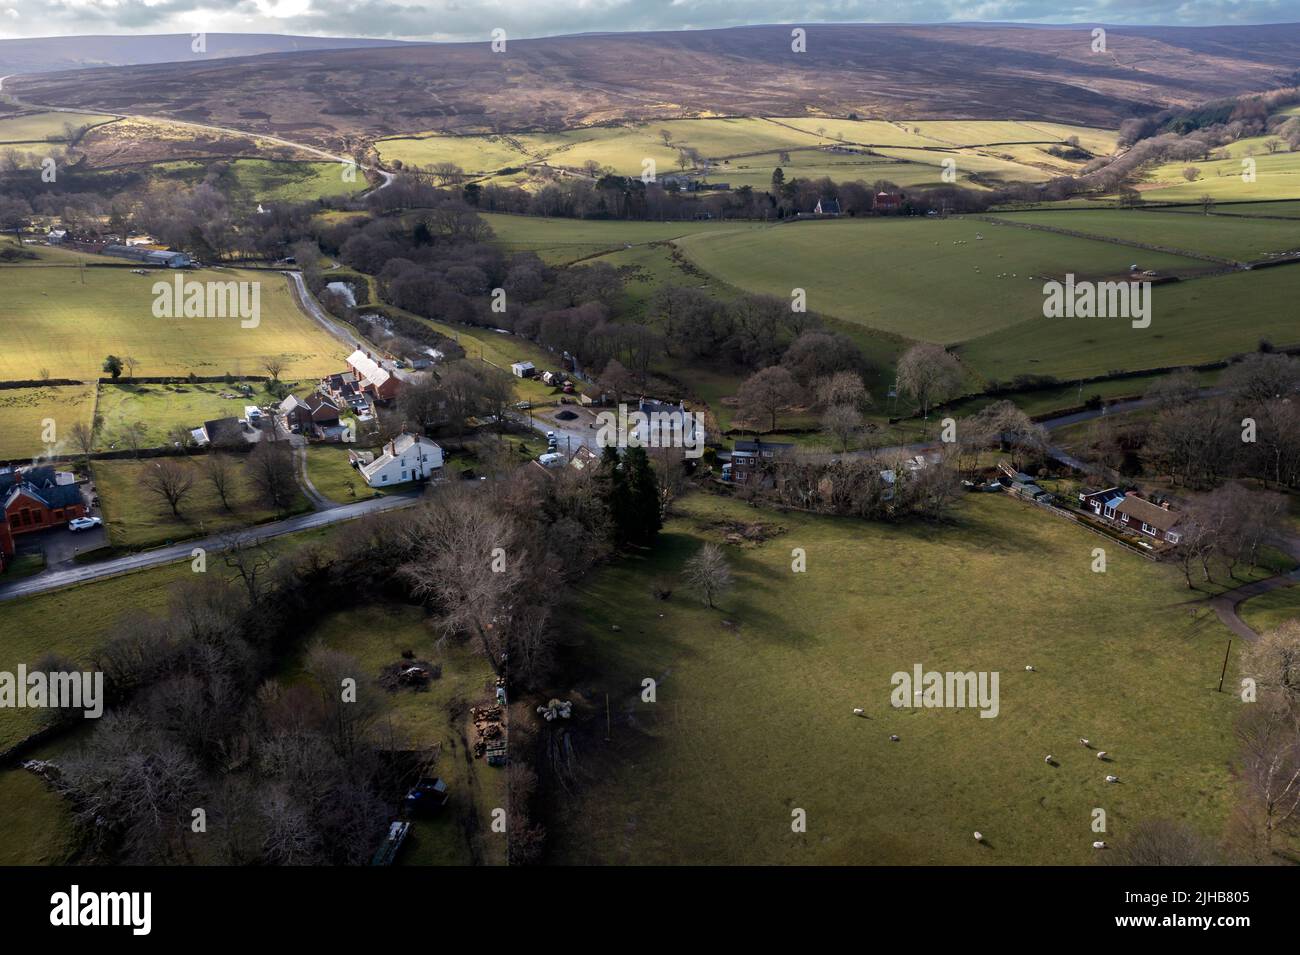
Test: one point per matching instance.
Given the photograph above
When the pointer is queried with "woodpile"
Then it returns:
(487, 727)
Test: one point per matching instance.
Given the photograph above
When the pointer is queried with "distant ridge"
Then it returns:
(329, 97)
(49, 54)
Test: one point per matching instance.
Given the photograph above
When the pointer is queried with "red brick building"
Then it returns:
(33, 500)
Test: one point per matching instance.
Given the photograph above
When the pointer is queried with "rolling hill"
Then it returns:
(974, 71)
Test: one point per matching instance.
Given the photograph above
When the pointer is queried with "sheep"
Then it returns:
(979, 836)
(1049, 759)
(1031, 670)
(1112, 779)
(858, 711)
(1085, 742)
(893, 738)
(1102, 755)
(1099, 845)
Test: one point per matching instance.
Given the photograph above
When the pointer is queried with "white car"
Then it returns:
(84, 523)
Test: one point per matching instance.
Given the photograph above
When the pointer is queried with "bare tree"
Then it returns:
(1161, 842)
(169, 480)
(929, 374)
(843, 423)
(275, 365)
(249, 558)
(82, 436)
(767, 392)
(271, 471)
(133, 435)
(708, 574)
(220, 471)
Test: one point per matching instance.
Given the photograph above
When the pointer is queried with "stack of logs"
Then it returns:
(487, 727)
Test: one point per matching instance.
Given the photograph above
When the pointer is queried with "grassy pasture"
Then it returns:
(561, 241)
(912, 277)
(376, 635)
(746, 149)
(253, 181)
(23, 412)
(137, 519)
(68, 319)
(42, 127)
(1269, 610)
(1191, 323)
(754, 720)
(1277, 176)
(1235, 238)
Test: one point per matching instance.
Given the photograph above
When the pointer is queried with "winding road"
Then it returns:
(213, 544)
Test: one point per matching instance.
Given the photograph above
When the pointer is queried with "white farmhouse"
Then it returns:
(407, 457)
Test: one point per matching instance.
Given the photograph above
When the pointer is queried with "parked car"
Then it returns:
(84, 523)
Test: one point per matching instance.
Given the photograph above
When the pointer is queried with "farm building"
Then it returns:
(407, 457)
(157, 257)
(827, 207)
(523, 369)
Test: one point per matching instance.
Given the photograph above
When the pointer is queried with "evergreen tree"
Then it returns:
(643, 487)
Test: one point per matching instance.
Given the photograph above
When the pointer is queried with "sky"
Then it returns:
(475, 19)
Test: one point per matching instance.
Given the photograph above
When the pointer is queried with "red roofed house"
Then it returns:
(373, 378)
(887, 202)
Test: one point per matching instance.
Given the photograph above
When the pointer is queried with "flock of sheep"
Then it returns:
(1049, 759)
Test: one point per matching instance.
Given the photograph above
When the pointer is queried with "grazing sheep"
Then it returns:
(1084, 741)
(1030, 670)
(979, 837)
(1101, 754)
(1112, 779)
(1049, 759)
(1099, 845)
(858, 711)
(893, 739)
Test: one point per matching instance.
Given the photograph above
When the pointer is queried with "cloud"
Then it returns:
(475, 19)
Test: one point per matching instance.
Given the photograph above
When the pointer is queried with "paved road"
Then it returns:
(55, 579)
(1226, 604)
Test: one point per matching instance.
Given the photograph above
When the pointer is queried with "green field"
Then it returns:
(562, 241)
(42, 127)
(1238, 238)
(253, 181)
(68, 319)
(376, 635)
(924, 279)
(137, 519)
(1276, 176)
(1192, 323)
(1268, 610)
(754, 701)
(745, 150)
(24, 412)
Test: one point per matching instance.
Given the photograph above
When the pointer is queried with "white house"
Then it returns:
(407, 457)
(523, 369)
